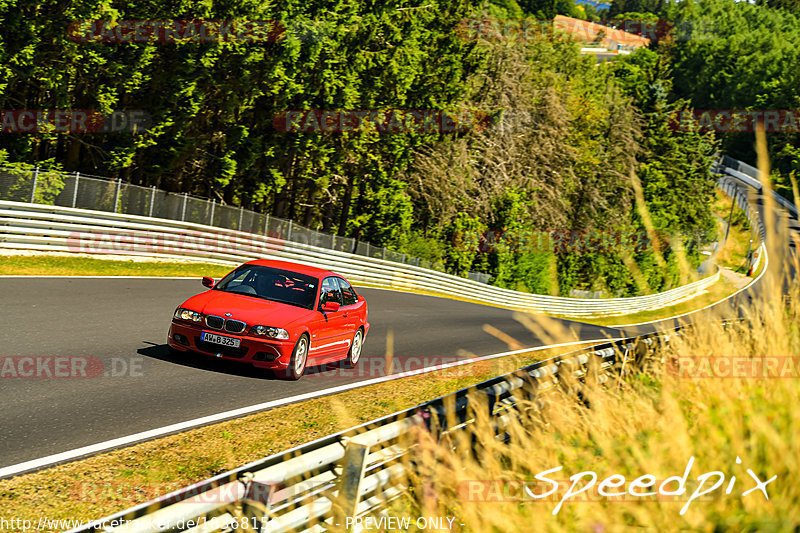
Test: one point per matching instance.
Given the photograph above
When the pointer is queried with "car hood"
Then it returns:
(253, 311)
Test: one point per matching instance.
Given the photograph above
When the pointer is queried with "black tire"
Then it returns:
(354, 355)
(296, 366)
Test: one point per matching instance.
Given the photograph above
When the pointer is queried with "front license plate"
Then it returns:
(219, 339)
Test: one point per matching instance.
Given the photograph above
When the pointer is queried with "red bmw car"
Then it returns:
(275, 315)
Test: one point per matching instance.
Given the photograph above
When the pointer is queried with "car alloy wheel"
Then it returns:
(355, 349)
(297, 364)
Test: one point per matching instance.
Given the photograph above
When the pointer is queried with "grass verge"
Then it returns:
(71, 265)
(101, 485)
(718, 291)
(733, 253)
(716, 407)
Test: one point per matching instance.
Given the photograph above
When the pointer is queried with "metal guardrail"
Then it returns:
(361, 470)
(750, 176)
(53, 228)
(78, 190)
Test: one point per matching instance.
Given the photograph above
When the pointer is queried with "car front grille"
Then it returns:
(234, 326)
(229, 325)
(215, 322)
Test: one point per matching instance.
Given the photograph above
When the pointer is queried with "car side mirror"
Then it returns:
(208, 282)
(330, 306)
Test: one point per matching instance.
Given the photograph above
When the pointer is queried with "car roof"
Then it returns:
(294, 267)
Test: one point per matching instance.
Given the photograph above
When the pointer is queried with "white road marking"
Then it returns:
(50, 460)
(763, 271)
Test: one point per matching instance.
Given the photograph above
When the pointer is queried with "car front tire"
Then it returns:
(298, 361)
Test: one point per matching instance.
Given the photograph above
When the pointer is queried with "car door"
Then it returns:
(350, 308)
(328, 339)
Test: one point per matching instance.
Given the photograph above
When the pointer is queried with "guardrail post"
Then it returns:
(211, 218)
(266, 225)
(116, 197)
(241, 216)
(403, 258)
(152, 199)
(183, 209)
(289, 232)
(33, 187)
(353, 465)
(75, 192)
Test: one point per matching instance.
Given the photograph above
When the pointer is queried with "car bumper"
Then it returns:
(257, 351)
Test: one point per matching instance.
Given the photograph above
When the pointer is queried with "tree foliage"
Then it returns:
(567, 145)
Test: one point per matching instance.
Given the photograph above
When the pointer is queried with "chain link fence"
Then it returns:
(103, 194)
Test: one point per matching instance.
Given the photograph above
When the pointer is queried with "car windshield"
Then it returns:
(273, 284)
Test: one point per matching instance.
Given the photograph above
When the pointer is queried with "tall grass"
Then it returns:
(654, 420)
(649, 422)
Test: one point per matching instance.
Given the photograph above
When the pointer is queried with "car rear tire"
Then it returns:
(298, 361)
(355, 349)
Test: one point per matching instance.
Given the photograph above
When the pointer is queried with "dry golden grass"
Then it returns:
(651, 422)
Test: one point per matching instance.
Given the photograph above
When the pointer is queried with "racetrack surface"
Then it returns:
(123, 322)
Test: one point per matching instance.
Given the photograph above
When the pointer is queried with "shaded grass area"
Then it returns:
(101, 485)
(720, 290)
(733, 253)
(58, 265)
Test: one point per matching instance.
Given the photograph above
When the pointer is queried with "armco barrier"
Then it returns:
(360, 470)
(51, 228)
(103, 194)
(56, 228)
(749, 176)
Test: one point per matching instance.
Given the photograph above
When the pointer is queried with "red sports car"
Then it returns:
(276, 315)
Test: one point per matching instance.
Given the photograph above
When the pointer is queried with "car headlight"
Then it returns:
(267, 331)
(187, 314)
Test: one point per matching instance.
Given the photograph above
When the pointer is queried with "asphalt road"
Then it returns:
(119, 326)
